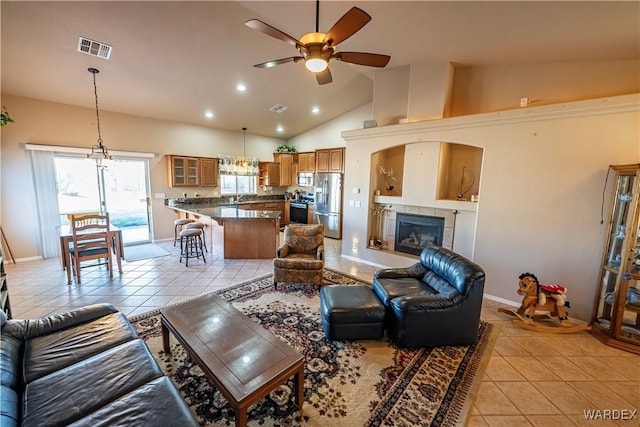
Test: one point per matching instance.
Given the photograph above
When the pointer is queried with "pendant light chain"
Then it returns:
(244, 142)
(94, 71)
(100, 151)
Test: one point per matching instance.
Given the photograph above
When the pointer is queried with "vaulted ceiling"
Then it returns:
(176, 60)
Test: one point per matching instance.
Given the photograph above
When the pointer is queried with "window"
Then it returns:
(232, 184)
(121, 188)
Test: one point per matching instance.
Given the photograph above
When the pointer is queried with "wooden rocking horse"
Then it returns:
(537, 297)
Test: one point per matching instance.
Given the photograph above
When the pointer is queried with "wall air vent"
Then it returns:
(279, 108)
(94, 48)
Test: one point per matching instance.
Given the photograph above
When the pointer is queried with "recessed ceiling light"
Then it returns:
(280, 128)
(315, 110)
(240, 87)
(208, 114)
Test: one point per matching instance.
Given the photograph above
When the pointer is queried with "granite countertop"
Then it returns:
(227, 212)
(214, 202)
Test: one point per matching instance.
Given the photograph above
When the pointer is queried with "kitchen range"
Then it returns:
(299, 207)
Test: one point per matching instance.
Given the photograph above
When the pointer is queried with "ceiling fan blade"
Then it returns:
(267, 29)
(360, 58)
(347, 26)
(275, 62)
(324, 77)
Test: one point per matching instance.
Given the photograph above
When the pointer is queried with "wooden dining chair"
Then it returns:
(79, 215)
(91, 241)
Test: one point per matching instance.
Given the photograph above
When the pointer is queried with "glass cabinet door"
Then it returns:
(617, 309)
(179, 171)
(630, 325)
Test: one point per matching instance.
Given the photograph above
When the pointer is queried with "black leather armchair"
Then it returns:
(435, 302)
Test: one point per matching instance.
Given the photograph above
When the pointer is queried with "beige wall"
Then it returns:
(40, 122)
(482, 89)
(540, 193)
(329, 134)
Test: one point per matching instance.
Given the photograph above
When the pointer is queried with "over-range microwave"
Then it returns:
(305, 179)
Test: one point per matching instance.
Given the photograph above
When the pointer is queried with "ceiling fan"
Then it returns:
(316, 49)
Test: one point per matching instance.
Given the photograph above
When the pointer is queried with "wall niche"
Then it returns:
(459, 172)
(389, 159)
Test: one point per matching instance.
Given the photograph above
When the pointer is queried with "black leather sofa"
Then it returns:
(84, 367)
(435, 302)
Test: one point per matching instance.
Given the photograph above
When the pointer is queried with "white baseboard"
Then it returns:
(31, 258)
(363, 261)
(501, 300)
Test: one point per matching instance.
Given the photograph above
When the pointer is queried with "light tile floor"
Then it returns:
(532, 379)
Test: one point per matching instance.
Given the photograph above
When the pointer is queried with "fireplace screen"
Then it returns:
(415, 232)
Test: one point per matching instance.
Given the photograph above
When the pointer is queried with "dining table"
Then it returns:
(66, 237)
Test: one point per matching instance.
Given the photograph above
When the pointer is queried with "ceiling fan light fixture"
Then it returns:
(317, 49)
(316, 65)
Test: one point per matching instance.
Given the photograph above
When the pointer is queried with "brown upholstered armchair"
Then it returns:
(300, 258)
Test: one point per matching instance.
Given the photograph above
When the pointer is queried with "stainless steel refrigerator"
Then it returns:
(328, 203)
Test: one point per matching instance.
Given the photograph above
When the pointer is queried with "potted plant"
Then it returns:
(285, 149)
(389, 178)
(4, 117)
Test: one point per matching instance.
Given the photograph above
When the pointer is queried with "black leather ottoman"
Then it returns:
(351, 312)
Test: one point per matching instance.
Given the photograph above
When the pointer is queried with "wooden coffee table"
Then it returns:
(245, 361)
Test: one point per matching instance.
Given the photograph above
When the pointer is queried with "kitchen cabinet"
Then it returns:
(268, 206)
(307, 162)
(330, 160)
(310, 209)
(209, 172)
(616, 319)
(251, 206)
(286, 161)
(183, 171)
(269, 173)
(280, 207)
(295, 168)
(286, 217)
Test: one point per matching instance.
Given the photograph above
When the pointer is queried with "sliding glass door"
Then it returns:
(121, 187)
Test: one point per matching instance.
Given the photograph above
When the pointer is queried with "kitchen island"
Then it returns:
(247, 234)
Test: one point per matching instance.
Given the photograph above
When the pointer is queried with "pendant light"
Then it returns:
(99, 151)
(239, 165)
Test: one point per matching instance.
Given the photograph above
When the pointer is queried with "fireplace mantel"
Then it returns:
(441, 204)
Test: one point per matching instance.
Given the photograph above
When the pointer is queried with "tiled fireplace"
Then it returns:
(415, 232)
(440, 222)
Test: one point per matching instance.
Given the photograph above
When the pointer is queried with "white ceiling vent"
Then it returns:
(279, 108)
(94, 48)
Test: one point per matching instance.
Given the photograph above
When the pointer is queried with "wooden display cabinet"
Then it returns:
(183, 171)
(616, 318)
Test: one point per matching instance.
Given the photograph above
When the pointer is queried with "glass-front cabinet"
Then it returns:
(617, 310)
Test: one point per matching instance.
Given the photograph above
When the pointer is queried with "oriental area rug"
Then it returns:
(354, 383)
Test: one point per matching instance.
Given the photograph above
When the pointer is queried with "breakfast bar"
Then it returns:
(247, 234)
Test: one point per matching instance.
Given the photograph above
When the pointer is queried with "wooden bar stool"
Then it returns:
(178, 225)
(199, 226)
(191, 244)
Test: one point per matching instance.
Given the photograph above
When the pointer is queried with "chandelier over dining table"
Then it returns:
(238, 165)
